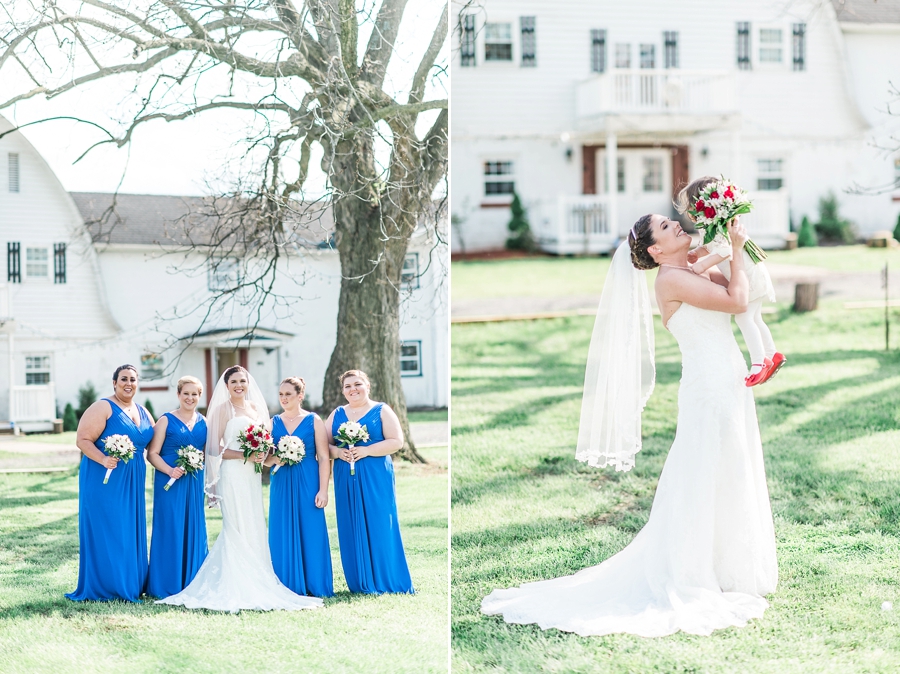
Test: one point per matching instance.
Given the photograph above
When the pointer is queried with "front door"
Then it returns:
(643, 183)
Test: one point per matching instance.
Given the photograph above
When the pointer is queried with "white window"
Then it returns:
(499, 180)
(771, 45)
(152, 366)
(620, 173)
(224, 274)
(498, 42)
(37, 370)
(653, 174)
(13, 172)
(770, 174)
(623, 55)
(648, 56)
(411, 359)
(409, 275)
(37, 262)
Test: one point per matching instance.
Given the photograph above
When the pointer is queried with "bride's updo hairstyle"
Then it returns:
(231, 370)
(690, 193)
(640, 238)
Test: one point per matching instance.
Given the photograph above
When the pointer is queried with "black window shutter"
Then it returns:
(529, 42)
(670, 39)
(13, 262)
(59, 263)
(467, 40)
(598, 51)
(799, 46)
(743, 45)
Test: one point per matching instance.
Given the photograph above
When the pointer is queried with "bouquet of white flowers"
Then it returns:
(191, 460)
(350, 434)
(717, 204)
(256, 438)
(119, 446)
(290, 450)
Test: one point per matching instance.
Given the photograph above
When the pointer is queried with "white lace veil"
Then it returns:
(219, 412)
(620, 371)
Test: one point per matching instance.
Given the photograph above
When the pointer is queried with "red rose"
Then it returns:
(709, 212)
(729, 194)
(714, 195)
(254, 442)
(699, 206)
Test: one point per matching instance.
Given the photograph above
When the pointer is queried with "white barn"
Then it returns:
(787, 98)
(83, 294)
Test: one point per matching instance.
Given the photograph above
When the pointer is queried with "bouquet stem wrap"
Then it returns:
(119, 446)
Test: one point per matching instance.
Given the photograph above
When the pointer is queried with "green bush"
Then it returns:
(897, 228)
(521, 238)
(807, 236)
(87, 396)
(70, 419)
(831, 227)
(150, 409)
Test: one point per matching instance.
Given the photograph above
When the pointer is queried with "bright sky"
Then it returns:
(178, 157)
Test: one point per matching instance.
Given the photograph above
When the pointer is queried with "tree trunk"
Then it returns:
(806, 297)
(368, 326)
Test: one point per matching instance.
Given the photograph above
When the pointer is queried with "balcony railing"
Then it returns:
(657, 91)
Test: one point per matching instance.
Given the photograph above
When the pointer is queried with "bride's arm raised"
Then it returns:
(706, 293)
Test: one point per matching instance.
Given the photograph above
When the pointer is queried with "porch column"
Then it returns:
(612, 183)
(736, 158)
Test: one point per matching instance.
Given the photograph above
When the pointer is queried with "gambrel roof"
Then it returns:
(148, 219)
(867, 11)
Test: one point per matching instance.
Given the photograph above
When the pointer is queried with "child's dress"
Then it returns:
(760, 281)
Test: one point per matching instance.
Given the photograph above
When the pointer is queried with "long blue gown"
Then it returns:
(112, 523)
(178, 543)
(366, 507)
(298, 535)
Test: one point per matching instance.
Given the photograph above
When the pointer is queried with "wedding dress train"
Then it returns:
(706, 556)
(238, 572)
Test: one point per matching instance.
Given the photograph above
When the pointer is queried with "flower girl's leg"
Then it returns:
(768, 342)
(749, 329)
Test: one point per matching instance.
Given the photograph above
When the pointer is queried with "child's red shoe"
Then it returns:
(778, 360)
(759, 377)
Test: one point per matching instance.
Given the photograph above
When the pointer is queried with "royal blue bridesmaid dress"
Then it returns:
(178, 542)
(298, 535)
(112, 523)
(366, 507)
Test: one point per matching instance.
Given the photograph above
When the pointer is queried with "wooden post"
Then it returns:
(806, 297)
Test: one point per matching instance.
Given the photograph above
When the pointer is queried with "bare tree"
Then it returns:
(297, 70)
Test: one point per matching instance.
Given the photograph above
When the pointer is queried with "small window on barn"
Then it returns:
(770, 174)
(771, 45)
(37, 370)
(224, 274)
(409, 275)
(37, 262)
(152, 366)
(411, 359)
(498, 179)
(13, 172)
(498, 42)
(623, 55)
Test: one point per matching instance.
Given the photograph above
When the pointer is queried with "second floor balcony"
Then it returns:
(656, 100)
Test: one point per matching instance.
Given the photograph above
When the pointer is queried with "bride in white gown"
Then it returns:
(237, 573)
(706, 557)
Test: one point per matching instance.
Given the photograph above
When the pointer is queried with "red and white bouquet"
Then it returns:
(190, 459)
(290, 450)
(119, 446)
(350, 434)
(253, 439)
(717, 204)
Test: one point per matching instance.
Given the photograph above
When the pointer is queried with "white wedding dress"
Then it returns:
(238, 573)
(706, 556)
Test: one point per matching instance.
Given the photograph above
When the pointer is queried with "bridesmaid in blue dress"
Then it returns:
(298, 494)
(365, 503)
(112, 524)
(178, 542)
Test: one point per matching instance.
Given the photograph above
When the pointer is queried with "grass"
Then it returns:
(524, 509)
(41, 631)
(544, 276)
(428, 416)
(67, 438)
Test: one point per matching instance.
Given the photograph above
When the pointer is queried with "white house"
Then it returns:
(788, 98)
(92, 284)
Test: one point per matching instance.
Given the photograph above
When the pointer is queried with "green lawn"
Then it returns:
(428, 415)
(524, 509)
(41, 631)
(544, 276)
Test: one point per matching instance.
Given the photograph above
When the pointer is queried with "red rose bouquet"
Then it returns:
(253, 439)
(717, 204)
